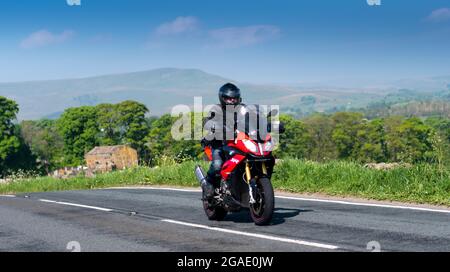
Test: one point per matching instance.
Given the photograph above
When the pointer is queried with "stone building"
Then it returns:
(108, 158)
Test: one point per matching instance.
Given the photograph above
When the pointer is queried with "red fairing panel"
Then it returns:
(229, 165)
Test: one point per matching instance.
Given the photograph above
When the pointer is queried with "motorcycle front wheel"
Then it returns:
(262, 211)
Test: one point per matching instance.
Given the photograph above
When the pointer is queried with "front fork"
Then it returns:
(248, 173)
(250, 182)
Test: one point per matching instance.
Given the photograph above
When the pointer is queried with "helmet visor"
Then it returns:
(231, 100)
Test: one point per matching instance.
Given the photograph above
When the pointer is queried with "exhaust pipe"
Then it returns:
(207, 188)
(200, 174)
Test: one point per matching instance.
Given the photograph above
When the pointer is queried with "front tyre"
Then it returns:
(262, 211)
(214, 213)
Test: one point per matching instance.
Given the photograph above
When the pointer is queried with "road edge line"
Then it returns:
(254, 235)
(76, 205)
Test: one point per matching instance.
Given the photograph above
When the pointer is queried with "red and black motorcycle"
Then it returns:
(248, 169)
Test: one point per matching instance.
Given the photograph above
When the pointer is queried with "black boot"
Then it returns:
(229, 201)
(225, 187)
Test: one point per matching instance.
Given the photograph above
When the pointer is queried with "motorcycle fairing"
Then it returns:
(230, 165)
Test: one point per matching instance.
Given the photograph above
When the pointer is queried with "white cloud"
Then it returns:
(233, 37)
(228, 37)
(179, 25)
(439, 15)
(44, 37)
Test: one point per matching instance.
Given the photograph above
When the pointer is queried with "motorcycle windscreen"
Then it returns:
(252, 120)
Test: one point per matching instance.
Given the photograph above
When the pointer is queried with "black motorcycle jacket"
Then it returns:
(220, 129)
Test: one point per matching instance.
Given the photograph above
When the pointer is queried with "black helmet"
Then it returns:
(229, 94)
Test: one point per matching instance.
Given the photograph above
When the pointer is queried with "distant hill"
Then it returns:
(161, 89)
(408, 103)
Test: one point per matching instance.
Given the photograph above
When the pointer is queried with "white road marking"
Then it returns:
(364, 204)
(255, 235)
(7, 195)
(156, 188)
(76, 205)
(304, 199)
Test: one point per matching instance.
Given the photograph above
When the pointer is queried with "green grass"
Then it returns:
(422, 183)
(177, 175)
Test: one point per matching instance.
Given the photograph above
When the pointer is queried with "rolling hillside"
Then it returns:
(161, 89)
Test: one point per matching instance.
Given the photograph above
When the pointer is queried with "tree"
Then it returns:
(416, 139)
(440, 139)
(408, 140)
(294, 142)
(132, 125)
(161, 142)
(442, 125)
(345, 132)
(159, 138)
(320, 129)
(45, 142)
(108, 123)
(394, 141)
(9, 142)
(85, 127)
(79, 131)
(23, 158)
(370, 145)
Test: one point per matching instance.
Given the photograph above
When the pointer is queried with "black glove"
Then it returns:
(205, 143)
(281, 127)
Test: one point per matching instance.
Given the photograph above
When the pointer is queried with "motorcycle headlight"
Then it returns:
(268, 146)
(250, 146)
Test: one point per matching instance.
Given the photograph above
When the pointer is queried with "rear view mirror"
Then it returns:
(272, 113)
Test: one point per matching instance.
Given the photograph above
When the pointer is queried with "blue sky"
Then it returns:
(264, 41)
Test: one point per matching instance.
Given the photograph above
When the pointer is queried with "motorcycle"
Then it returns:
(248, 167)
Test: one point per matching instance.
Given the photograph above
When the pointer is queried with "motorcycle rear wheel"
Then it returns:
(262, 211)
(214, 213)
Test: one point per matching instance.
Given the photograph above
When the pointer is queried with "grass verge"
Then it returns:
(422, 183)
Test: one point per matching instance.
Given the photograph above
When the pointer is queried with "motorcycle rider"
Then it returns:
(230, 98)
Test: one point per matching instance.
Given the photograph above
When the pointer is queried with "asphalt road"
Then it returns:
(172, 220)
